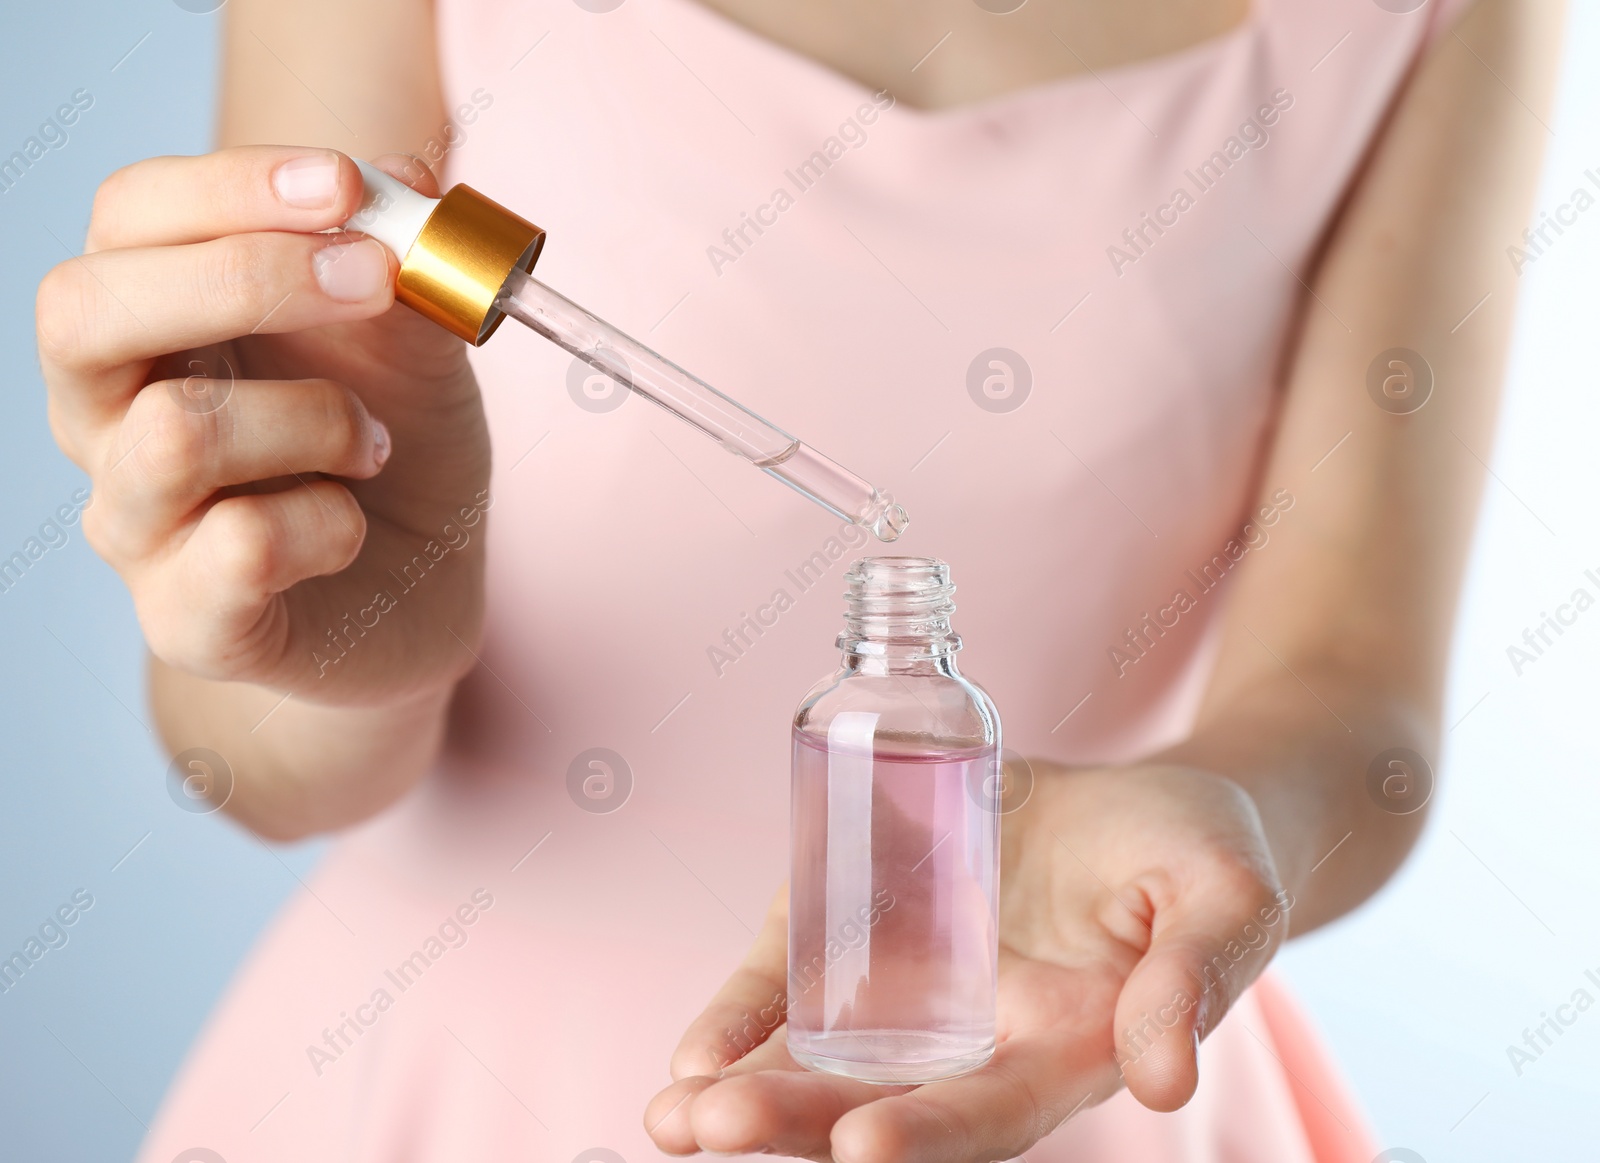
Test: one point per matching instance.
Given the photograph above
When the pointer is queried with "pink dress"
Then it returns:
(498, 969)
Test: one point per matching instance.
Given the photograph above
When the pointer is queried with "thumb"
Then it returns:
(1205, 950)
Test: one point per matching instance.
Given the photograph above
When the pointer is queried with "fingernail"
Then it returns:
(381, 444)
(351, 272)
(308, 183)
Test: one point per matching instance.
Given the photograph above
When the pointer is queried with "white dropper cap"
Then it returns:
(455, 252)
(391, 211)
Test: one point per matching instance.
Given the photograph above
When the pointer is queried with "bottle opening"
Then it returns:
(899, 607)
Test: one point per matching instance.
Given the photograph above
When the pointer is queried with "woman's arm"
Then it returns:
(1338, 632)
(360, 76)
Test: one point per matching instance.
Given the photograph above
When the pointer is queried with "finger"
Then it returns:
(780, 1112)
(748, 1007)
(99, 317)
(170, 201)
(769, 1105)
(411, 170)
(182, 440)
(1034, 1082)
(214, 609)
(666, 1116)
(1205, 948)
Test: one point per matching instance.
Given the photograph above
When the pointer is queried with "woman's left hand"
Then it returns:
(1135, 905)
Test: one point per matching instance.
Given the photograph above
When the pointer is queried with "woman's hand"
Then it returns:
(271, 447)
(1135, 905)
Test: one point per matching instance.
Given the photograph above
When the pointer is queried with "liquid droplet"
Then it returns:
(890, 522)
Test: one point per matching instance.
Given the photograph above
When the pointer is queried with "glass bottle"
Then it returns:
(893, 917)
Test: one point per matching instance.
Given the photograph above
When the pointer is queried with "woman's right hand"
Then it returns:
(288, 473)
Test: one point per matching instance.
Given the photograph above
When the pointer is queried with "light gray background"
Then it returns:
(1490, 925)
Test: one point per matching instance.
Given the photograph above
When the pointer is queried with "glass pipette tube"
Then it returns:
(692, 400)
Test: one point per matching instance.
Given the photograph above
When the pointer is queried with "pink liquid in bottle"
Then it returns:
(892, 966)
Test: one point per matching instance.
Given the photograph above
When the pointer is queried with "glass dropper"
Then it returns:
(695, 402)
(464, 263)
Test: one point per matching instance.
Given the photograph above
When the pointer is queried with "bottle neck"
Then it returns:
(897, 617)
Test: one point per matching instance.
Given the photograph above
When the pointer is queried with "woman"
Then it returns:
(1137, 307)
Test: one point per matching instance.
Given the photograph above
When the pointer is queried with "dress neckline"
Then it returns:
(1041, 93)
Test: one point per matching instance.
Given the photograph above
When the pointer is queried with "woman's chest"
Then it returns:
(937, 54)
